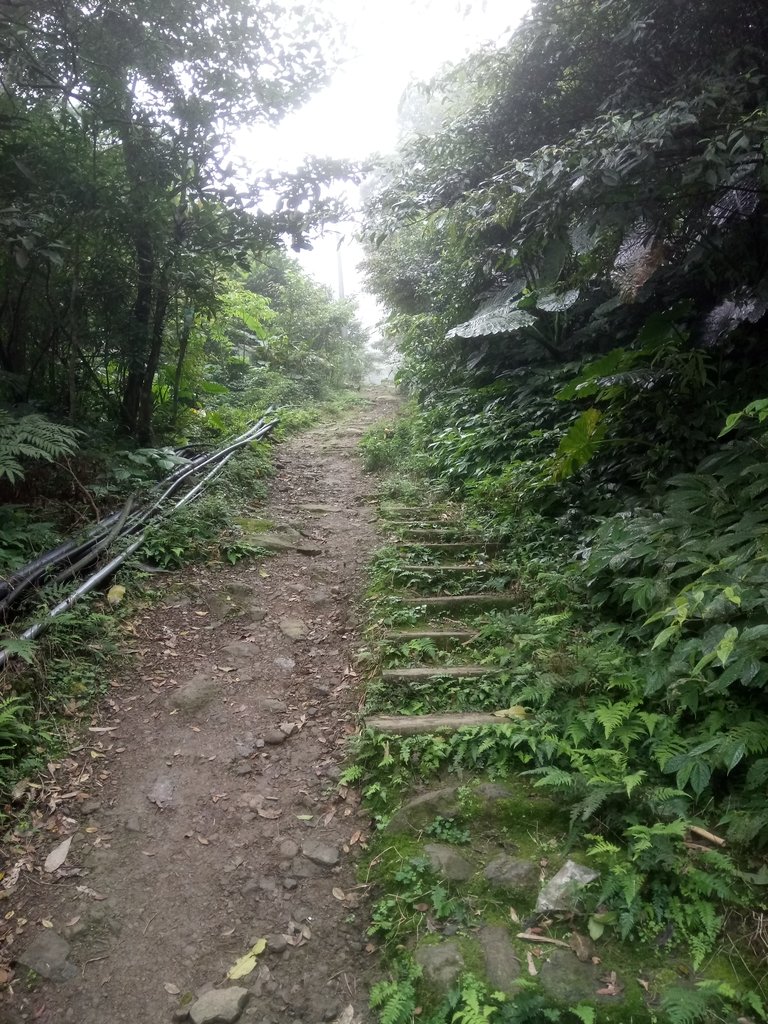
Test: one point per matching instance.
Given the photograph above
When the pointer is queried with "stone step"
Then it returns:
(458, 601)
(411, 725)
(439, 636)
(409, 675)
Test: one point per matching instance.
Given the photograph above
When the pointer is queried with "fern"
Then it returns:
(395, 1000)
(685, 1005)
(31, 437)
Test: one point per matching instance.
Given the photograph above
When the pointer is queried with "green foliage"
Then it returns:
(573, 262)
(395, 1000)
(31, 437)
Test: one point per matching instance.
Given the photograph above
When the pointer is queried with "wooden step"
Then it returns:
(434, 533)
(409, 511)
(440, 636)
(411, 725)
(433, 527)
(444, 567)
(409, 675)
(485, 600)
(453, 545)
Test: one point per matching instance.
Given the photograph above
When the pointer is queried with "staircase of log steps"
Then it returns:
(451, 604)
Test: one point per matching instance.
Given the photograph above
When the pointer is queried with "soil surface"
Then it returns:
(204, 805)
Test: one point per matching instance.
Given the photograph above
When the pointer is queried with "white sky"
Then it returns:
(388, 44)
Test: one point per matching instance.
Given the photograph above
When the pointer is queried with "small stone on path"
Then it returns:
(219, 1006)
(320, 853)
(295, 629)
(274, 737)
(195, 694)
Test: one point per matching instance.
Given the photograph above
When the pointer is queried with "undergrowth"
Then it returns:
(632, 673)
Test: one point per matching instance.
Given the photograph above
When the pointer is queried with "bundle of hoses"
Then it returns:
(72, 557)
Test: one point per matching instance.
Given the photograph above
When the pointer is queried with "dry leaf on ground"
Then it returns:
(57, 856)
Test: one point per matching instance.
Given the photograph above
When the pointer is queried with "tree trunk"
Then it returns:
(139, 342)
(146, 399)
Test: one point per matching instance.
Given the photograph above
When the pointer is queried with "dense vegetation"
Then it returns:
(575, 263)
(146, 298)
(122, 213)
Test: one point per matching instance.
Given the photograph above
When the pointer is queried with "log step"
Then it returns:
(411, 725)
(409, 675)
(438, 570)
(440, 636)
(434, 533)
(408, 511)
(453, 545)
(484, 600)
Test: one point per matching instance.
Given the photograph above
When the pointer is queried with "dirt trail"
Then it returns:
(212, 817)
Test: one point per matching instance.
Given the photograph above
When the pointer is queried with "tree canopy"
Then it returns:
(120, 208)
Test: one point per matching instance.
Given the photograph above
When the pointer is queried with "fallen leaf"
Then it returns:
(531, 965)
(612, 986)
(338, 894)
(46, 923)
(171, 989)
(202, 840)
(269, 812)
(243, 967)
(514, 915)
(72, 922)
(227, 933)
(305, 817)
(516, 711)
(6, 975)
(57, 856)
(115, 594)
(581, 946)
(644, 984)
(86, 891)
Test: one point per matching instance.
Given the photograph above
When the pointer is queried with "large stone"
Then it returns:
(511, 873)
(448, 862)
(320, 853)
(47, 956)
(419, 811)
(219, 1006)
(502, 967)
(567, 980)
(562, 890)
(195, 693)
(441, 964)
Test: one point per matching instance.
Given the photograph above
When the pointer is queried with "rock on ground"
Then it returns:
(502, 967)
(448, 862)
(442, 964)
(511, 873)
(219, 1006)
(47, 956)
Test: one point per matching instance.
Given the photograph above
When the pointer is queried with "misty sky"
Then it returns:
(388, 44)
